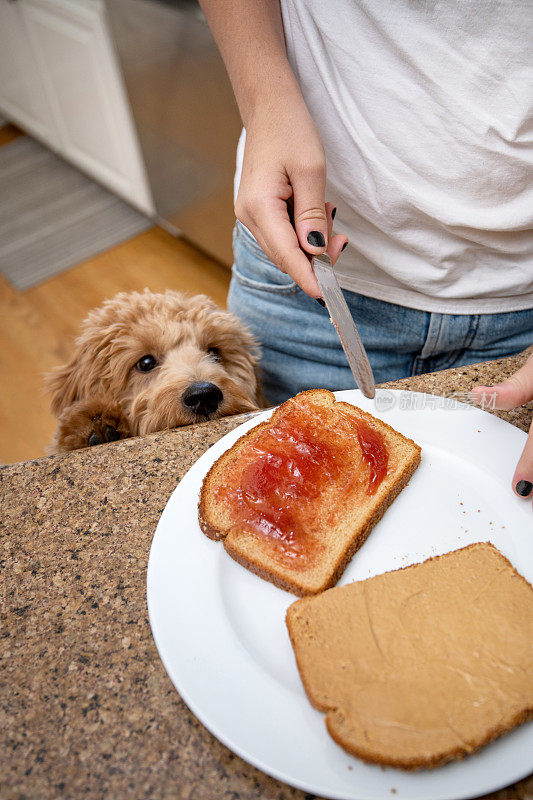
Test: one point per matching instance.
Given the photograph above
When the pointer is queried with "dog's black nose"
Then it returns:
(202, 397)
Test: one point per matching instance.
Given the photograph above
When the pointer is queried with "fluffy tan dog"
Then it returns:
(145, 362)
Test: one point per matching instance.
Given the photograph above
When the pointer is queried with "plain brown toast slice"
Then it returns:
(296, 496)
(422, 665)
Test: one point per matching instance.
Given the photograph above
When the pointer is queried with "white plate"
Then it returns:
(221, 634)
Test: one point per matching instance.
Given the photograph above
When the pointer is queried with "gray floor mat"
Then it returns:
(52, 216)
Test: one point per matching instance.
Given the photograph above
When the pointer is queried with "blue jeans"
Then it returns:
(301, 350)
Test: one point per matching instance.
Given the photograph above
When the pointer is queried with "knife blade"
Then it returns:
(344, 324)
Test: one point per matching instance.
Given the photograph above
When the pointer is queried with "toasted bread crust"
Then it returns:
(211, 531)
(270, 572)
(458, 753)
(444, 758)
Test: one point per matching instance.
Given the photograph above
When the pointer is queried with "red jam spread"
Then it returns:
(308, 452)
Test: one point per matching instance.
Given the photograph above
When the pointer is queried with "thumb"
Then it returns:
(514, 392)
(310, 220)
(523, 477)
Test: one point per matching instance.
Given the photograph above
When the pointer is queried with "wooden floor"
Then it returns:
(37, 326)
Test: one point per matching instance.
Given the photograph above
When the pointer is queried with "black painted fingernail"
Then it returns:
(524, 488)
(345, 245)
(333, 212)
(93, 439)
(320, 302)
(316, 239)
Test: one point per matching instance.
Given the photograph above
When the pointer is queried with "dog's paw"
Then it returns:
(107, 427)
(88, 423)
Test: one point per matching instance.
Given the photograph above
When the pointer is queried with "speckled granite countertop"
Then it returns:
(86, 708)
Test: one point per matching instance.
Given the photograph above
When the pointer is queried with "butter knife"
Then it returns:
(344, 324)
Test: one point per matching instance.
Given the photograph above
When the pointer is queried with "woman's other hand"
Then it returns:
(507, 395)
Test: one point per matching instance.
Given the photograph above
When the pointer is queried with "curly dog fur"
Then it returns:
(104, 393)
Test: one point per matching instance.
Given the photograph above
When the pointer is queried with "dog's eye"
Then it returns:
(146, 364)
(215, 352)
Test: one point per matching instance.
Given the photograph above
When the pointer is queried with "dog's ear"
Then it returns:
(64, 385)
(259, 397)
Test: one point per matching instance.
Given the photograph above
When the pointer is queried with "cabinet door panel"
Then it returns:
(85, 91)
(22, 96)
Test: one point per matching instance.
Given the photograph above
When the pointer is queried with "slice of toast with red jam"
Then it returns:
(296, 496)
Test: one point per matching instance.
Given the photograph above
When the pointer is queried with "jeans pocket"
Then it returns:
(252, 268)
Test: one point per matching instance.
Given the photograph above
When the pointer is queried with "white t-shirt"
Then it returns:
(425, 111)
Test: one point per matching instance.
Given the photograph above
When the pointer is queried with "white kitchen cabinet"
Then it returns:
(22, 96)
(72, 61)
